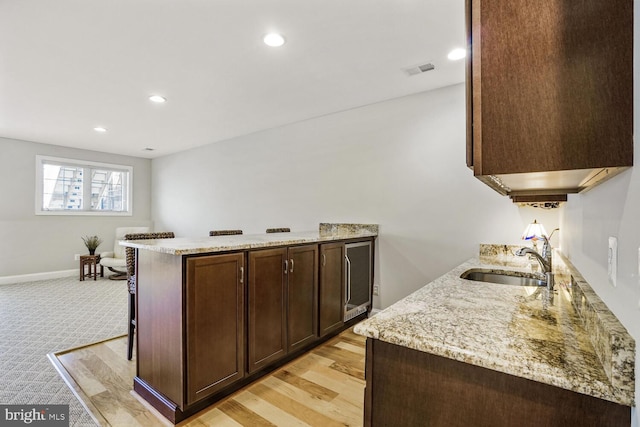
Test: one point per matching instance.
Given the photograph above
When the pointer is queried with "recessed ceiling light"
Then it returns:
(157, 99)
(273, 40)
(99, 129)
(456, 54)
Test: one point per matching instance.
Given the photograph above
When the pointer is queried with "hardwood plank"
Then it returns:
(212, 417)
(349, 370)
(357, 349)
(321, 388)
(117, 364)
(308, 361)
(77, 390)
(242, 414)
(268, 411)
(81, 375)
(293, 401)
(310, 387)
(351, 337)
(330, 410)
(317, 370)
(339, 355)
(349, 387)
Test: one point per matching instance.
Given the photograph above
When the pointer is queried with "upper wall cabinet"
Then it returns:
(549, 94)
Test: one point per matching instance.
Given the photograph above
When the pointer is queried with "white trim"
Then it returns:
(10, 280)
(81, 213)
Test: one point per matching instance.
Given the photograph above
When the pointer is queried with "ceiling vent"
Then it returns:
(419, 69)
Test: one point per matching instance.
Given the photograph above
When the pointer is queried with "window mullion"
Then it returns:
(86, 188)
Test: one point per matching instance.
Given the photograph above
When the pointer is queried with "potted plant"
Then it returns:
(92, 242)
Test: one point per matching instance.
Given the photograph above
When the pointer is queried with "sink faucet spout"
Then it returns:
(544, 260)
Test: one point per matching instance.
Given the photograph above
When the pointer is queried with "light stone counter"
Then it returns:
(522, 331)
(197, 245)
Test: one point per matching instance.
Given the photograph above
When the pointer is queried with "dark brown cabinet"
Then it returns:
(549, 94)
(267, 331)
(302, 296)
(209, 324)
(282, 302)
(407, 387)
(331, 292)
(215, 323)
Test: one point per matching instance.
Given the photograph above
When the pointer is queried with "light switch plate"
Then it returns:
(612, 268)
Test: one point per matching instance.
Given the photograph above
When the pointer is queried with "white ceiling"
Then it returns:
(67, 66)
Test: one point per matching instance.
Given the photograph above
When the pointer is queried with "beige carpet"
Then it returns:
(37, 318)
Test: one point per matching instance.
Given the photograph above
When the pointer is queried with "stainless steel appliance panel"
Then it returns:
(359, 278)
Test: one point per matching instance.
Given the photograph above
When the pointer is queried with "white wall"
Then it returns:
(399, 163)
(33, 243)
(612, 209)
(587, 221)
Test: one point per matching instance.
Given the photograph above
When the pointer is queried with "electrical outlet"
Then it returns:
(76, 257)
(612, 268)
(376, 289)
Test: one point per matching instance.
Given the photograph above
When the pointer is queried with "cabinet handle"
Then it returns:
(286, 266)
(324, 260)
(241, 274)
(291, 271)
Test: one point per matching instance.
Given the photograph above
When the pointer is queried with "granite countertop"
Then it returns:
(195, 245)
(522, 331)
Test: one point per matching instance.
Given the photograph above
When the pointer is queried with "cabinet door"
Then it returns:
(552, 85)
(266, 305)
(302, 293)
(215, 323)
(332, 281)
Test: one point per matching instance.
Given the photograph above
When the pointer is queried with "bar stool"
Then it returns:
(224, 232)
(130, 256)
(279, 230)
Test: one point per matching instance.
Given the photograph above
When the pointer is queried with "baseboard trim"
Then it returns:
(10, 280)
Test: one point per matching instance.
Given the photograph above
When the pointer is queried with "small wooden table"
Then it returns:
(91, 262)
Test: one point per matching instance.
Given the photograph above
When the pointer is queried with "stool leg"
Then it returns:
(132, 325)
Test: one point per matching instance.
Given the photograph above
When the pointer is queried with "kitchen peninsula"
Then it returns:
(461, 352)
(215, 313)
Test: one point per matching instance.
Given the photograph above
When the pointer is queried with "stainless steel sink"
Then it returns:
(503, 277)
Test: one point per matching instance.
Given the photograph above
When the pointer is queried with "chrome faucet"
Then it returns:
(544, 260)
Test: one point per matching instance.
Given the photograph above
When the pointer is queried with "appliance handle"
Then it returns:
(346, 257)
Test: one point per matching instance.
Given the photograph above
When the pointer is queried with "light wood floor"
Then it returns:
(324, 387)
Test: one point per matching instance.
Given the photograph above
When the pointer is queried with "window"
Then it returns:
(76, 187)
